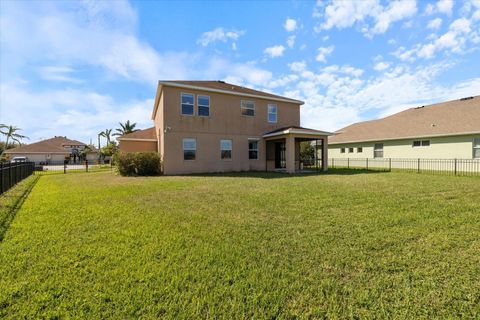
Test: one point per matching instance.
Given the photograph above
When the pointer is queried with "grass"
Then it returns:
(350, 244)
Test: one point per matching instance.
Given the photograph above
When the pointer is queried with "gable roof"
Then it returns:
(141, 135)
(53, 145)
(220, 87)
(454, 117)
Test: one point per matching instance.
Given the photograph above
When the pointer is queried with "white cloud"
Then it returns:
(89, 33)
(441, 6)
(78, 114)
(434, 24)
(381, 66)
(219, 34)
(297, 66)
(396, 11)
(291, 41)
(323, 52)
(58, 73)
(274, 51)
(290, 25)
(445, 6)
(345, 14)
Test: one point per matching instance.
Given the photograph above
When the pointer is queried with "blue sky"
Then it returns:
(76, 68)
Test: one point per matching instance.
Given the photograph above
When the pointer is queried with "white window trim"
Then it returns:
(374, 150)
(275, 113)
(242, 107)
(258, 148)
(181, 103)
(475, 147)
(183, 149)
(201, 105)
(231, 149)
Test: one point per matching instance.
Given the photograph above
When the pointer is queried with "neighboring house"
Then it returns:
(141, 140)
(445, 130)
(213, 126)
(54, 150)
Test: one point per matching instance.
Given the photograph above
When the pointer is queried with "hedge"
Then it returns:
(138, 163)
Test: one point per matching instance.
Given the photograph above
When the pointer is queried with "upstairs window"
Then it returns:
(476, 148)
(350, 150)
(189, 149)
(272, 113)
(378, 150)
(342, 150)
(203, 105)
(359, 150)
(253, 149)
(187, 104)
(421, 143)
(248, 108)
(226, 149)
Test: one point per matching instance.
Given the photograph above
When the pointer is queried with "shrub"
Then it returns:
(138, 163)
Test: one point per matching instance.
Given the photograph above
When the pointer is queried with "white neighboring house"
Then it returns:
(447, 130)
(53, 151)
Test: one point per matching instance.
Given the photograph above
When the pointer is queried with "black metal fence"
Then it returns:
(462, 167)
(12, 173)
(68, 167)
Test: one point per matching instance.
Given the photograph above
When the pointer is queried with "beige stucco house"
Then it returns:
(448, 130)
(53, 151)
(213, 126)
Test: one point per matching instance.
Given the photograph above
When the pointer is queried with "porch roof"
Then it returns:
(296, 130)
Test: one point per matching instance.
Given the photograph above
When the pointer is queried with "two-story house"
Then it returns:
(213, 126)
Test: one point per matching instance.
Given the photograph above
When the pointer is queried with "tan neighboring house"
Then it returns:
(54, 150)
(445, 130)
(213, 126)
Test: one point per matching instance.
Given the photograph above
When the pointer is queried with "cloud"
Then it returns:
(291, 41)
(78, 114)
(445, 6)
(58, 73)
(290, 25)
(381, 66)
(97, 34)
(274, 51)
(323, 52)
(297, 66)
(220, 34)
(345, 14)
(434, 24)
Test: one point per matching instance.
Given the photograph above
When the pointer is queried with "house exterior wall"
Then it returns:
(137, 146)
(40, 157)
(451, 147)
(225, 122)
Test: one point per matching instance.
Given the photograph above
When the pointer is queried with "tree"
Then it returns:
(11, 133)
(307, 152)
(107, 135)
(125, 128)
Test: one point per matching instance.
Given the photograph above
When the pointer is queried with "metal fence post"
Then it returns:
(64, 167)
(418, 165)
(1, 177)
(86, 165)
(348, 163)
(455, 166)
(390, 164)
(366, 163)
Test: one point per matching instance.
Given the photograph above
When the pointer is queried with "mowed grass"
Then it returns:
(342, 245)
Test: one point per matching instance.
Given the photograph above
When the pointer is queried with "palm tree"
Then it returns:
(11, 133)
(125, 128)
(107, 135)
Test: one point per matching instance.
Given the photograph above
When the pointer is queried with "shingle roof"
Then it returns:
(222, 85)
(53, 145)
(149, 133)
(441, 119)
(296, 129)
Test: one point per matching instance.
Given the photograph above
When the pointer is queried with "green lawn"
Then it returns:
(342, 245)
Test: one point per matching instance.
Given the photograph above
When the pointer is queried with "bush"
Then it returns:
(138, 163)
